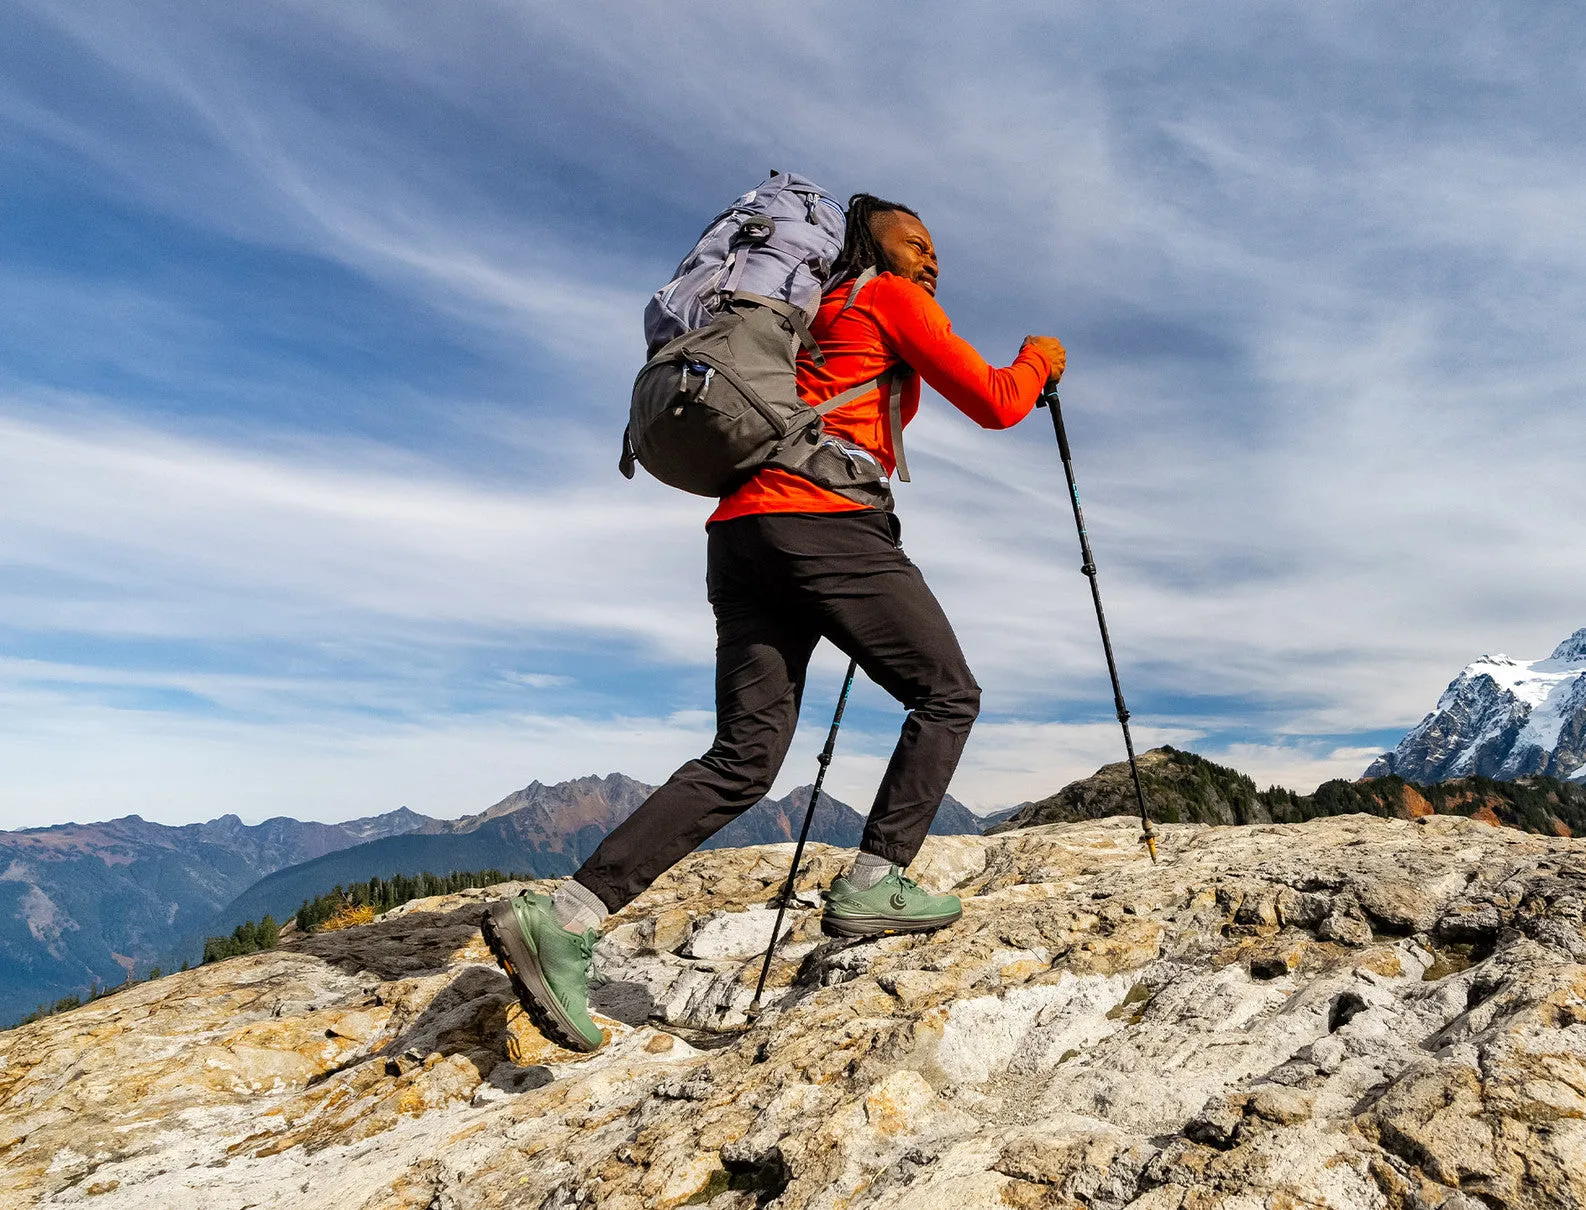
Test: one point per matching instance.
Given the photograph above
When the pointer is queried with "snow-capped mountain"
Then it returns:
(1502, 718)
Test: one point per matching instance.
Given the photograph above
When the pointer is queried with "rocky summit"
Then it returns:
(1351, 1012)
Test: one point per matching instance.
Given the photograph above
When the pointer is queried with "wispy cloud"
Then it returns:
(325, 316)
(176, 537)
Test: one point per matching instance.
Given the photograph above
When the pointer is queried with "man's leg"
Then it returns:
(875, 605)
(762, 652)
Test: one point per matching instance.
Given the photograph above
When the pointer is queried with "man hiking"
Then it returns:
(789, 563)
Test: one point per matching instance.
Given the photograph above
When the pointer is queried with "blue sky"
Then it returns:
(321, 321)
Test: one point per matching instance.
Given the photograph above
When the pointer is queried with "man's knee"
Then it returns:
(964, 703)
(953, 699)
(744, 771)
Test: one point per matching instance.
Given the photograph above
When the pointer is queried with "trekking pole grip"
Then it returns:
(1049, 399)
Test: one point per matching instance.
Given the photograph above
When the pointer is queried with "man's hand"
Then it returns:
(1055, 353)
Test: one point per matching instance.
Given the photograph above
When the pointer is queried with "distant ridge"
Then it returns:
(1182, 787)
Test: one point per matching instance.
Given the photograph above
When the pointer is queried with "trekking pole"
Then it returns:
(825, 759)
(1049, 400)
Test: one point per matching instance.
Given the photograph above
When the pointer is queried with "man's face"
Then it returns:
(906, 248)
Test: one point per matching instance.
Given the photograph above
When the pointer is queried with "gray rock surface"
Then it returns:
(1350, 1013)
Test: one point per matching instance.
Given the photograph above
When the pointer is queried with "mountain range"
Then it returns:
(548, 831)
(93, 903)
(1502, 718)
(86, 903)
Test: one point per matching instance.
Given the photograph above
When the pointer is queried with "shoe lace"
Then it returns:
(586, 950)
(908, 883)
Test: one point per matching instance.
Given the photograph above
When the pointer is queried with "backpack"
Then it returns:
(718, 399)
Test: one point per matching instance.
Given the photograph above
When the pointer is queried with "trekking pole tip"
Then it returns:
(1148, 837)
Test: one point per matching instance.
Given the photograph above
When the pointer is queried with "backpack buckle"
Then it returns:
(758, 229)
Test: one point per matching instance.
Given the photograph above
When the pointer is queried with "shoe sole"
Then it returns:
(882, 926)
(515, 956)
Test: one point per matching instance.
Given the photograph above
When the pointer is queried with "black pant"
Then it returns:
(778, 584)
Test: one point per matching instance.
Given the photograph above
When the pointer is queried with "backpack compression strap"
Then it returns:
(792, 314)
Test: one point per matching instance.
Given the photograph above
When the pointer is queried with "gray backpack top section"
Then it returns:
(777, 241)
(718, 398)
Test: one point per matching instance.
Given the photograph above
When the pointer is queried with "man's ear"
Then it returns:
(878, 232)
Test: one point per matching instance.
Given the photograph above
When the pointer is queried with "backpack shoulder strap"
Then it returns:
(860, 283)
(851, 394)
(895, 378)
(891, 384)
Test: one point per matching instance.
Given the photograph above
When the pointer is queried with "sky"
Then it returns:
(321, 321)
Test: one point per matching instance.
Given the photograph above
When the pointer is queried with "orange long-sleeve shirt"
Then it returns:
(893, 320)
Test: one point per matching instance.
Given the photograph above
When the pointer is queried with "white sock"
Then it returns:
(868, 869)
(577, 908)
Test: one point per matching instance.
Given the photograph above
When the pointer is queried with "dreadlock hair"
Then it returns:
(860, 250)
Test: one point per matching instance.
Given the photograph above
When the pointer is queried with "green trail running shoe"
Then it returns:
(896, 904)
(548, 966)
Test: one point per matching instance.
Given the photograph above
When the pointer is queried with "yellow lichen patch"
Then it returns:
(1382, 961)
(1541, 1089)
(1276, 956)
(349, 917)
(1567, 1005)
(724, 1126)
(322, 1038)
(528, 1047)
(474, 950)
(782, 974)
(370, 1104)
(671, 929)
(896, 1105)
(1027, 1195)
(239, 1069)
(915, 989)
(673, 1181)
(1024, 968)
(1131, 945)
